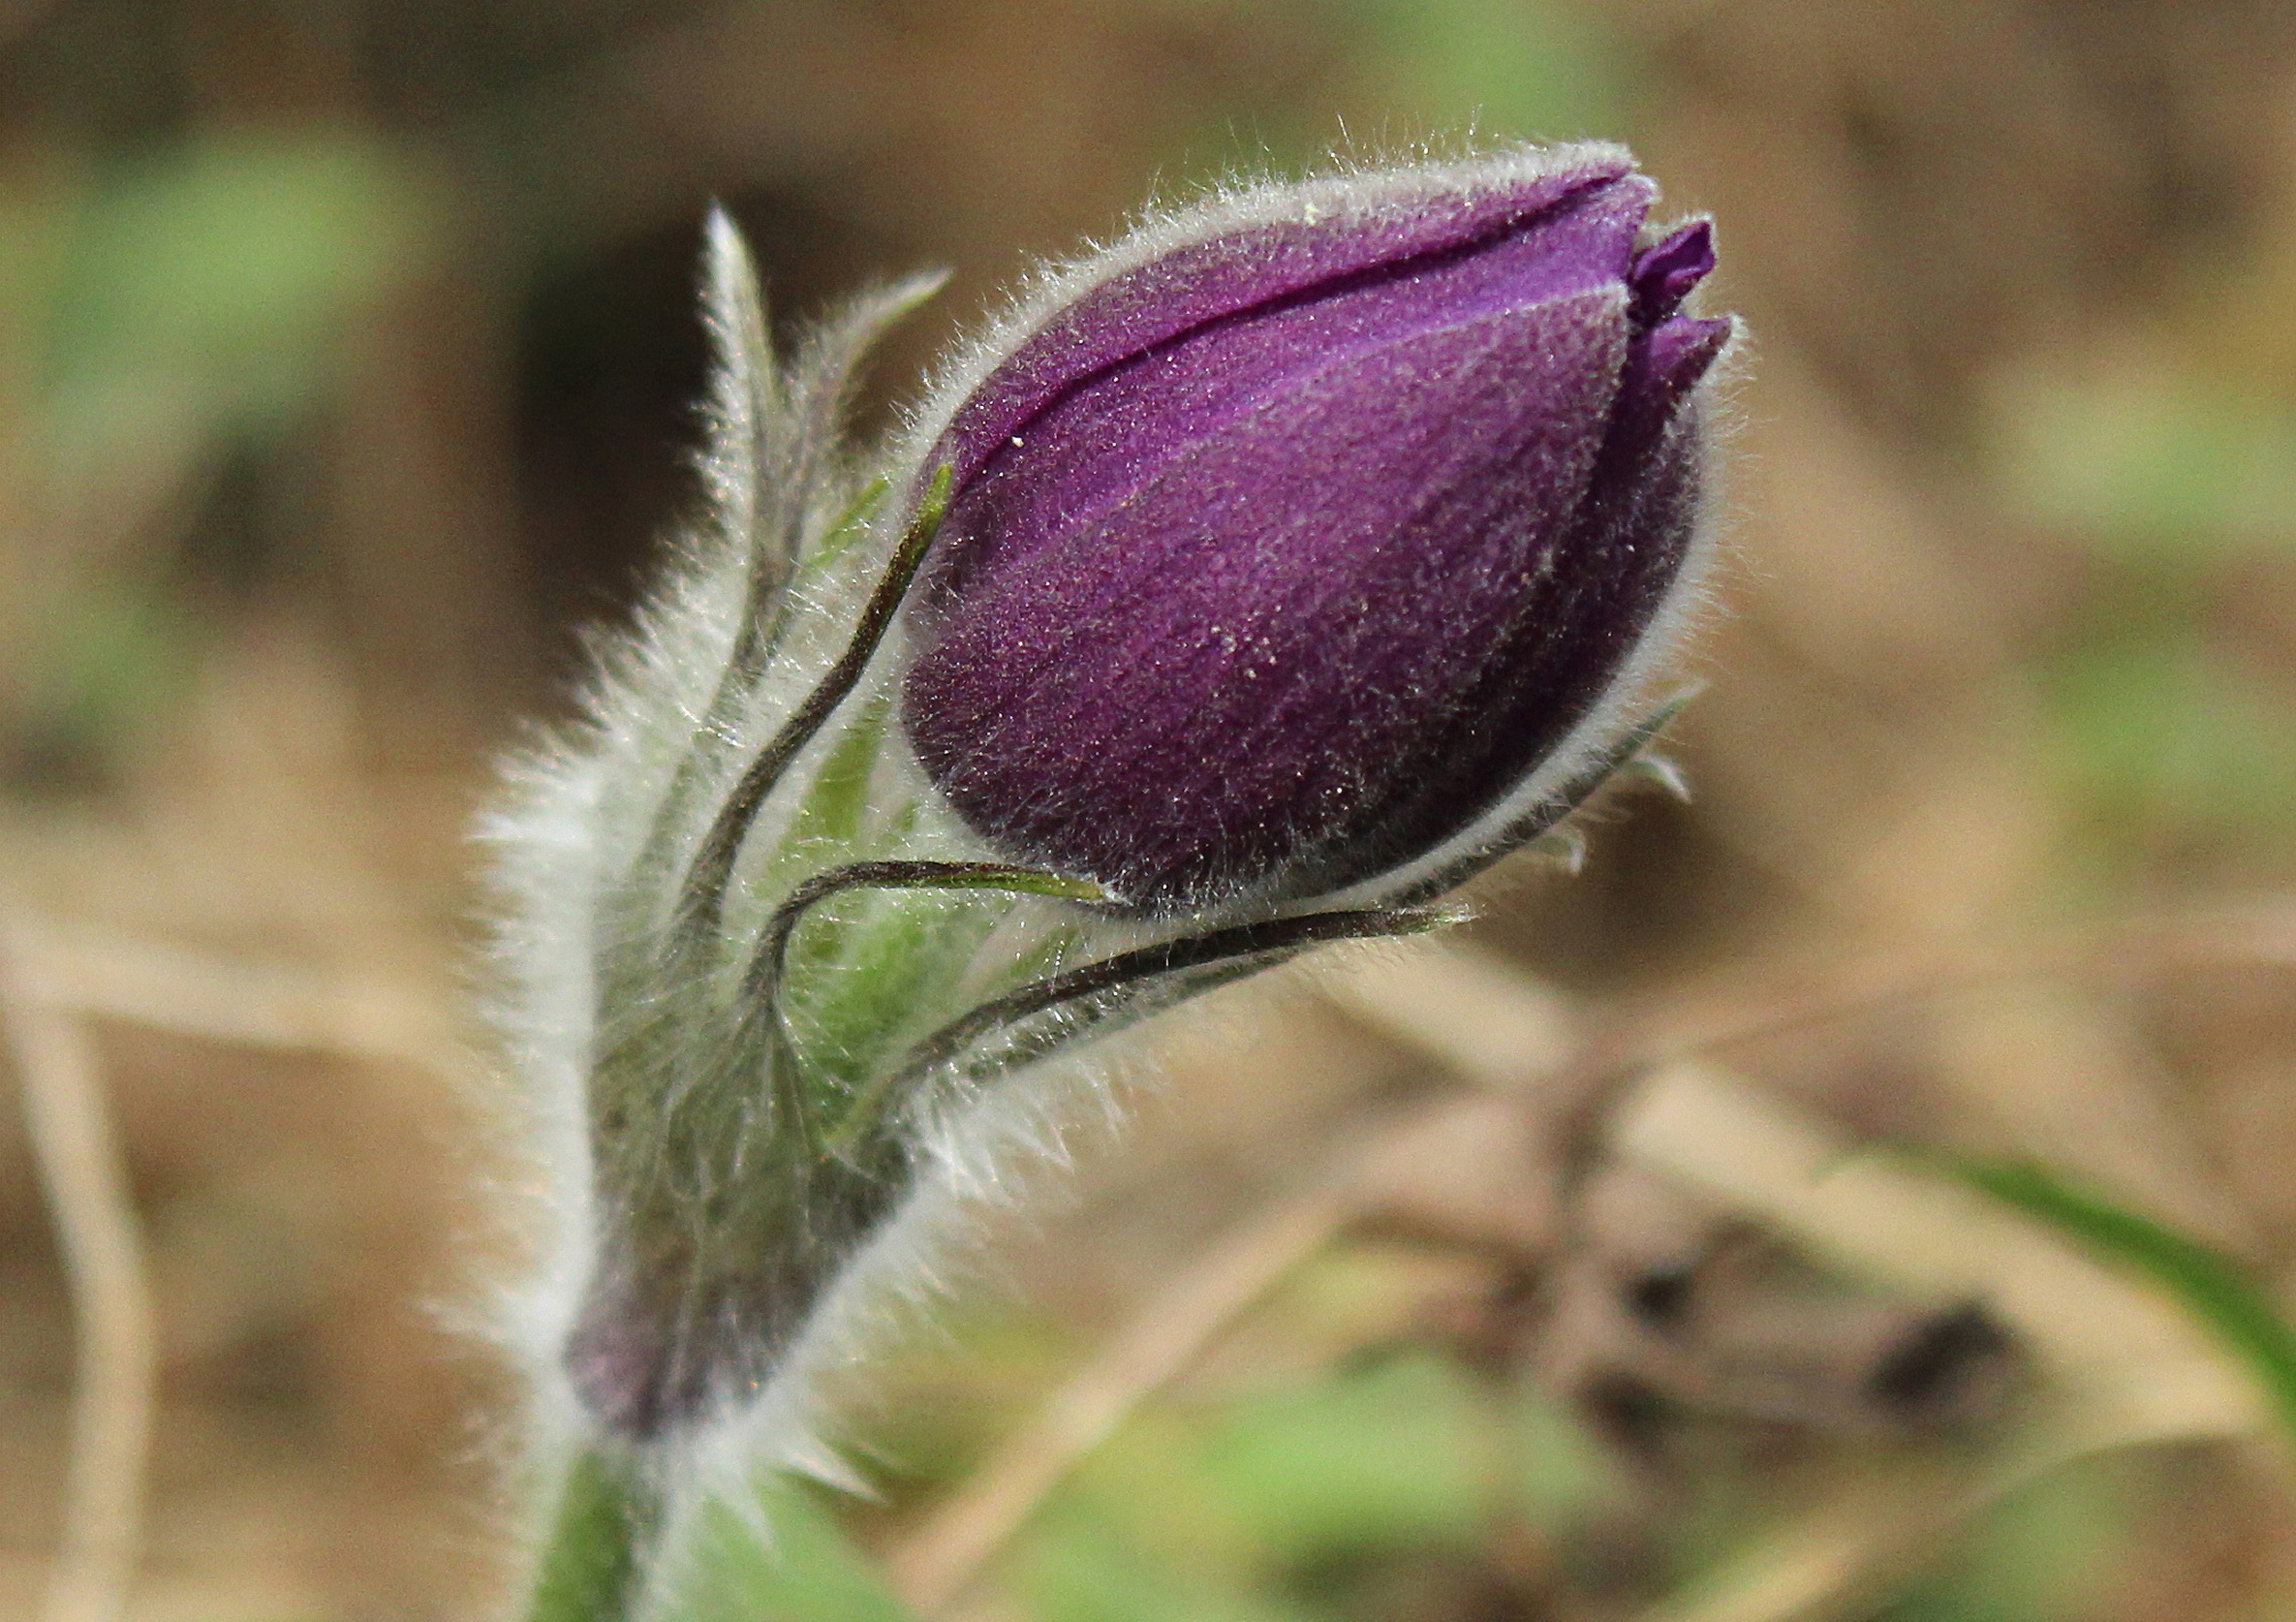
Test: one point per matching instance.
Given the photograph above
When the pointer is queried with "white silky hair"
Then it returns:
(579, 805)
(578, 864)
(1352, 190)
(601, 817)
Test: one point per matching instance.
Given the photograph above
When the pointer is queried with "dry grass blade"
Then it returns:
(1486, 1022)
(2127, 1367)
(187, 994)
(2110, 1343)
(2121, 1366)
(2261, 931)
(102, 1254)
(936, 1565)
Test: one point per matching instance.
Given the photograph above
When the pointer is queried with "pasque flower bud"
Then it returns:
(1289, 542)
(1261, 578)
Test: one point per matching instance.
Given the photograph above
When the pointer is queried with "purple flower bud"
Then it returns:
(1311, 529)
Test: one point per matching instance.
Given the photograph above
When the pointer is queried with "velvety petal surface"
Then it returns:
(1275, 562)
(1103, 437)
(1253, 271)
(1580, 621)
(1225, 669)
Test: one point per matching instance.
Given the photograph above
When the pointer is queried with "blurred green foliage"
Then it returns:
(2176, 489)
(1321, 1500)
(220, 278)
(785, 1559)
(2169, 746)
(2154, 463)
(1274, 1502)
(1506, 68)
(173, 312)
(2044, 1555)
(1497, 70)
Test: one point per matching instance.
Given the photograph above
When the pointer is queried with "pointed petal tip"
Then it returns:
(1664, 274)
(1684, 349)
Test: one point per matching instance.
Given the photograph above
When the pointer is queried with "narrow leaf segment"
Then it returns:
(2213, 1286)
(703, 903)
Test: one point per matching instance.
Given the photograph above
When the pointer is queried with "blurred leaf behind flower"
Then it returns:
(2170, 473)
(169, 313)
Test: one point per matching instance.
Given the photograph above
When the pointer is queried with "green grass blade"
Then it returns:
(2213, 1286)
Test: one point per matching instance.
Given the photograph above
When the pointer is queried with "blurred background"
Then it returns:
(348, 370)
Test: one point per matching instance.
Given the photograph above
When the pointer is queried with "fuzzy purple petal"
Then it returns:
(1277, 561)
(1605, 584)
(1664, 274)
(1290, 598)
(1110, 431)
(1235, 274)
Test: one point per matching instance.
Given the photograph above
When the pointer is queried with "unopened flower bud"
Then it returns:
(1260, 578)
(1304, 532)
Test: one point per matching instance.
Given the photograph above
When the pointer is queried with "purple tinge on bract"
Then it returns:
(1274, 562)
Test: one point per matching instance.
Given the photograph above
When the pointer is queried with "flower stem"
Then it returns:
(589, 1568)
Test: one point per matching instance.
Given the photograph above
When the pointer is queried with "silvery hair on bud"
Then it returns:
(1351, 188)
(602, 816)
